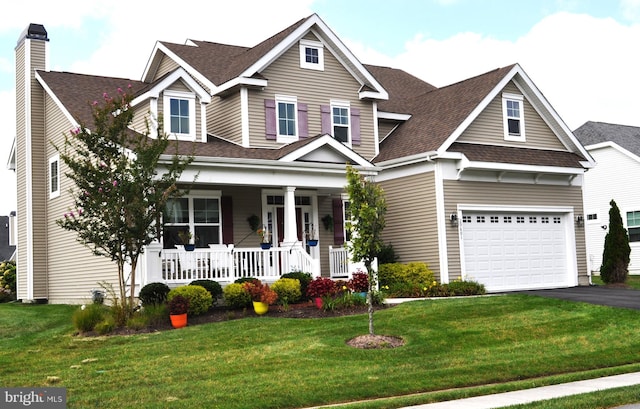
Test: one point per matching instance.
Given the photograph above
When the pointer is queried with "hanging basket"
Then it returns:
(265, 246)
(189, 247)
(312, 243)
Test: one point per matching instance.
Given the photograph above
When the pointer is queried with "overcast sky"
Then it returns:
(583, 55)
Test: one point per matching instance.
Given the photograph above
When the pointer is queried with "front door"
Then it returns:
(304, 219)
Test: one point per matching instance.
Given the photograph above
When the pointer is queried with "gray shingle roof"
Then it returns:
(592, 133)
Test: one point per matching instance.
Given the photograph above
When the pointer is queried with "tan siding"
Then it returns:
(385, 128)
(141, 117)
(315, 88)
(165, 66)
(74, 270)
(224, 118)
(411, 219)
(511, 194)
(488, 126)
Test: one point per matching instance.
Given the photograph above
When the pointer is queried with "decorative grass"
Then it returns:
(475, 345)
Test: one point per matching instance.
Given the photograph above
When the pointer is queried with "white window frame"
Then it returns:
(592, 221)
(341, 105)
(54, 193)
(201, 194)
(167, 97)
(625, 222)
(506, 97)
(286, 99)
(316, 45)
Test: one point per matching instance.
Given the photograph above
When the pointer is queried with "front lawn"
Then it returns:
(481, 345)
(633, 281)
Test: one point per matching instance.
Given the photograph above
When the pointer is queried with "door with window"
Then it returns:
(304, 219)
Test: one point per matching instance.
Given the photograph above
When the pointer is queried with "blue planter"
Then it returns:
(189, 247)
(312, 243)
(265, 246)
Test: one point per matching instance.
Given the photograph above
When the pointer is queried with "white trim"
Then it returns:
(11, 162)
(161, 87)
(167, 96)
(153, 120)
(613, 145)
(441, 221)
(506, 97)
(327, 140)
(286, 99)
(394, 116)
(240, 81)
(244, 116)
(316, 45)
(203, 122)
(592, 221)
(376, 131)
(55, 193)
(54, 97)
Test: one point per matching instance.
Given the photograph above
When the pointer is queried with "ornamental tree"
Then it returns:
(615, 258)
(368, 207)
(121, 186)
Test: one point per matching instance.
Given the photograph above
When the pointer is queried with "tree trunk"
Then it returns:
(134, 264)
(367, 264)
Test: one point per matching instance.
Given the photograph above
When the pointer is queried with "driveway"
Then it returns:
(601, 295)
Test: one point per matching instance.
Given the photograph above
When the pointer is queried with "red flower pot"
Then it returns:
(318, 302)
(179, 320)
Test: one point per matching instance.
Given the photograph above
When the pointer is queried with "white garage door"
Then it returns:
(515, 251)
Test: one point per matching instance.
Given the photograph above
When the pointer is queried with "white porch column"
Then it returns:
(290, 226)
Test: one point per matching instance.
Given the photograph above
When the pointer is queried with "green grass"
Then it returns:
(602, 399)
(454, 348)
(632, 281)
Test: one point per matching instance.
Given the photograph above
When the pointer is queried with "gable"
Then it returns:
(488, 127)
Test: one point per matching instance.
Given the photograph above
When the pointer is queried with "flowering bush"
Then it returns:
(7, 281)
(321, 286)
(260, 292)
(178, 305)
(359, 282)
(200, 299)
(265, 236)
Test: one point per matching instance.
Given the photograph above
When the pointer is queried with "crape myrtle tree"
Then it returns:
(368, 207)
(121, 186)
(615, 257)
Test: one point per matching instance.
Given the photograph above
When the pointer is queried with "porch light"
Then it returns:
(579, 220)
(453, 218)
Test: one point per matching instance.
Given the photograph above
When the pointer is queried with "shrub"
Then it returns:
(405, 280)
(387, 255)
(460, 287)
(235, 296)
(260, 292)
(156, 314)
(154, 293)
(137, 322)
(214, 288)
(304, 278)
(7, 281)
(246, 280)
(200, 299)
(105, 326)
(359, 282)
(87, 317)
(178, 305)
(288, 290)
(615, 257)
(321, 286)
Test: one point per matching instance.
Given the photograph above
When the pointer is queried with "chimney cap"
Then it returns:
(35, 32)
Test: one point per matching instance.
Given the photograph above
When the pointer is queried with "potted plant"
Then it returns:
(265, 238)
(185, 238)
(312, 239)
(178, 307)
(359, 283)
(321, 287)
(261, 295)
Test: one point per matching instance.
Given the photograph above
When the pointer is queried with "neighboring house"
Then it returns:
(7, 247)
(483, 179)
(616, 149)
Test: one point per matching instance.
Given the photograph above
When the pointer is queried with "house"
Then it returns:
(483, 179)
(7, 246)
(616, 149)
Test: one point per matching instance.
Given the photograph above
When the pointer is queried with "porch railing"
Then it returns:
(227, 264)
(341, 266)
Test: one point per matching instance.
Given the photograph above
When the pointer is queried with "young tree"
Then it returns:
(368, 208)
(120, 190)
(615, 258)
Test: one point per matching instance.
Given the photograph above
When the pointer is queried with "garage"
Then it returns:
(508, 251)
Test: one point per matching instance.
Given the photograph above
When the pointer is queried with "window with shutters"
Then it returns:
(286, 112)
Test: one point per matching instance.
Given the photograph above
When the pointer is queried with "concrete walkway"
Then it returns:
(501, 400)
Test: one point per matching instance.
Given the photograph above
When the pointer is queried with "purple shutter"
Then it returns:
(270, 118)
(227, 219)
(303, 121)
(338, 222)
(355, 126)
(325, 119)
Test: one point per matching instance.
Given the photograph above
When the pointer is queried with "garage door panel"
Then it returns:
(512, 251)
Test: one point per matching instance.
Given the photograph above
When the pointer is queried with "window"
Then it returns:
(198, 214)
(180, 114)
(512, 107)
(54, 176)
(286, 111)
(633, 225)
(340, 121)
(312, 55)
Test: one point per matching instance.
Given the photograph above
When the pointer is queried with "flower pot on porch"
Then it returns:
(189, 247)
(312, 243)
(260, 308)
(178, 320)
(265, 246)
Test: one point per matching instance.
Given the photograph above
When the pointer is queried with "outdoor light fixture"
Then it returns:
(453, 218)
(579, 220)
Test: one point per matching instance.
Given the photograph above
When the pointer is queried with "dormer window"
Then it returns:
(311, 55)
(513, 116)
(180, 114)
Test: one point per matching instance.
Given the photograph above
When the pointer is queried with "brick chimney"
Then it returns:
(31, 55)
